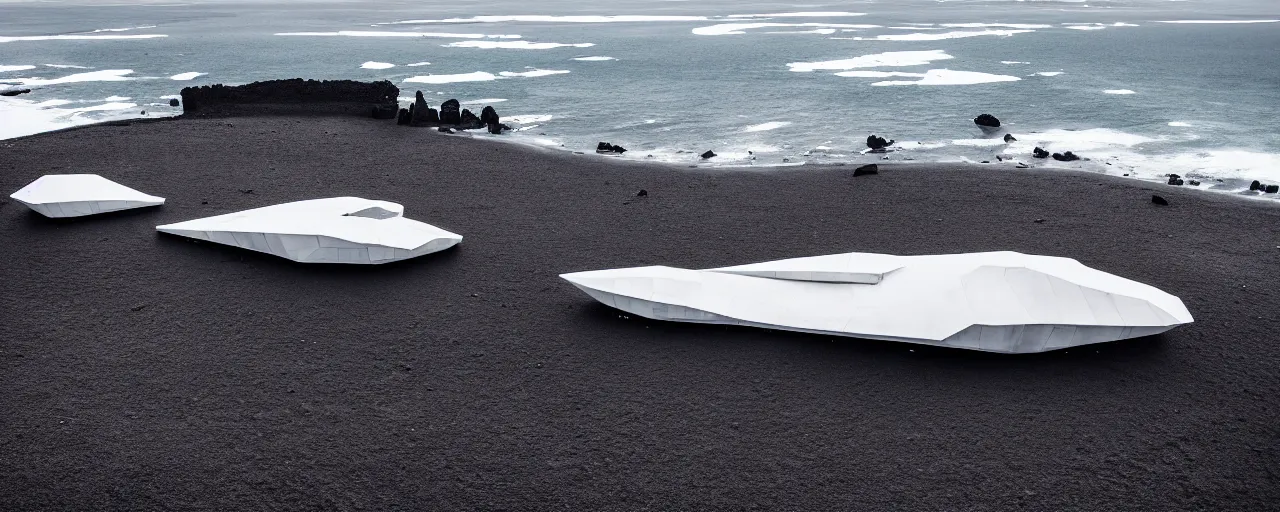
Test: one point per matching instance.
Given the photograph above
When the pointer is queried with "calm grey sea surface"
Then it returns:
(759, 83)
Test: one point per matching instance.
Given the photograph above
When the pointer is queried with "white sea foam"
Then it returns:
(921, 36)
(1215, 22)
(916, 28)
(1118, 91)
(981, 143)
(124, 29)
(116, 98)
(78, 37)
(594, 59)
(534, 73)
(1049, 73)
(725, 29)
(478, 76)
(995, 25)
(1013, 62)
(106, 75)
(1095, 139)
(527, 118)
(416, 64)
(515, 45)
(377, 65)
(375, 33)
(813, 14)
(764, 127)
(20, 67)
(887, 59)
(186, 76)
(67, 66)
(1180, 124)
(823, 31)
(1087, 27)
(484, 101)
(171, 97)
(877, 74)
(949, 77)
(528, 18)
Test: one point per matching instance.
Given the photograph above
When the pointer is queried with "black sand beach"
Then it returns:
(140, 371)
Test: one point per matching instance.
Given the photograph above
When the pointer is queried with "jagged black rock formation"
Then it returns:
(875, 142)
(605, 147)
(866, 169)
(1193, 183)
(1256, 185)
(987, 121)
(385, 111)
(1008, 137)
(1174, 179)
(1271, 189)
(450, 112)
(1065, 157)
(708, 154)
(1159, 200)
(14, 92)
(404, 117)
(294, 96)
(489, 116)
(469, 121)
(421, 114)
(174, 102)
(1040, 153)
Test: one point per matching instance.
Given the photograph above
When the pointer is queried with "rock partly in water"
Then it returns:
(14, 92)
(421, 114)
(1193, 183)
(469, 120)
(174, 102)
(1159, 200)
(1040, 153)
(1065, 157)
(986, 121)
(451, 112)
(708, 154)
(1256, 185)
(498, 128)
(489, 116)
(605, 147)
(875, 142)
(1174, 179)
(1008, 137)
(866, 169)
(289, 96)
(1271, 189)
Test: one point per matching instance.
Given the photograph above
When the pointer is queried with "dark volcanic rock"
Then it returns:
(1065, 157)
(421, 114)
(1008, 137)
(605, 147)
(642, 193)
(1271, 189)
(469, 120)
(1040, 153)
(987, 121)
(14, 92)
(445, 129)
(450, 112)
(290, 96)
(498, 128)
(1256, 185)
(1174, 179)
(404, 117)
(385, 111)
(875, 142)
(1193, 182)
(1159, 200)
(489, 116)
(708, 154)
(866, 169)
(174, 102)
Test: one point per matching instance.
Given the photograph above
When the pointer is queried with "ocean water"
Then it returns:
(1137, 87)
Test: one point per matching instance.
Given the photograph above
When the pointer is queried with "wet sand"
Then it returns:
(146, 371)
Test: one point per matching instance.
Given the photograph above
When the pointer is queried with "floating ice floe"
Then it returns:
(1004, 302)
(887, 59)
(377, 65)
(78, 37)
(416, 64)
(594, 59)
(944, 35)
(67, 66)
(764, 127)
(741, 28)
(533, 73)
(374, 33)
(1119, 91)
(1098, 26)
(124, 29)
(515, 45)
(1216, 22)
(527, 118)
(105, 75)
(877, 74)
(187, 76)
(1013, 62)
(995, 25)
(552, 19)
(334, 230)
(949, 77)
(484, 101)
(1049, 73)
(1180, 124)
(77, 195)
(478, 76)
(807, 14)
(21, 67)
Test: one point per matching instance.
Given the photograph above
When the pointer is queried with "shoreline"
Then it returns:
(141, 370)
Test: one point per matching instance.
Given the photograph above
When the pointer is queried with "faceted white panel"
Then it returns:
(76, 195)
(334, 230)
(995, 301)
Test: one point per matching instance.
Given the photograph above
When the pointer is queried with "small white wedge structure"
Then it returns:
(334, 230)
(994, 301)
(77, 195)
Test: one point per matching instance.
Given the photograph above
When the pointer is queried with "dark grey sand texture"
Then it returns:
(141, 371)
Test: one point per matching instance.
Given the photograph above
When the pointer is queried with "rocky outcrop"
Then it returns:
(986, 121)
(1174, 179)
(877, 143)
(469, 121)
(489, 116)
(1271, 189)
(605, 147)
(498, 128)
(174, 102)
(708, 154)
(1159, 200)
(421, 114)
(1256, 185)
(1040, 153)
(14, 92)
(450, 112)
(866, 169)
(1008, 137)
(1065, 157)
(292, 97)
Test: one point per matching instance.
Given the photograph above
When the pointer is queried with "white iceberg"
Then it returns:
(77, 195)
(1004, 302)
(333, 230)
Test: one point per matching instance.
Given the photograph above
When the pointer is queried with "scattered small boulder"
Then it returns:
(642, 193)
(446, 129)
(14, 92)
(1175, 180)
(1038, 221)
(1159, 200)
(174, 102)
(1008, 137)
(866, 169)
(605, 147)
(708, 154)
(1256, 185)
(451, 112)
(1193, 183)
(1065, 157)
(1271, 189)
(986, 121)
(876, 143)
(1040, 153)
(384, 111)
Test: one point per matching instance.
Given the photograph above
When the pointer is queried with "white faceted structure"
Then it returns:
(334, 230)
(994, 301)
(77, 195)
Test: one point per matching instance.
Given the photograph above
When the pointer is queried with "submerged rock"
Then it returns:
(1065, 157)
(1040, 153)
(174, 102)
(987, 121)
(605, 147)
(450, 112)
(1159, 200)
(1008, 137)
(866, 169)
(708, 154)
(875, 142)
(14, 92)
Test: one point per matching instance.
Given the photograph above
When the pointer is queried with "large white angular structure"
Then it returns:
(334, 230)
(77, 195)
(994, 301)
